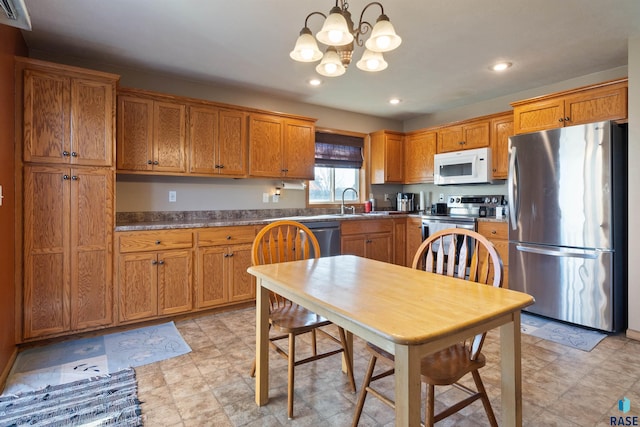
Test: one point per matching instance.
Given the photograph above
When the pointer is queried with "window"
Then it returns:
(337, 167)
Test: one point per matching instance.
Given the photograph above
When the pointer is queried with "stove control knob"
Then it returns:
(452, 199)
(494, 200)
(458, 200)
(487, 199)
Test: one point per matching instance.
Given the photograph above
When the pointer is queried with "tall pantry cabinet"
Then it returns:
(66, 156)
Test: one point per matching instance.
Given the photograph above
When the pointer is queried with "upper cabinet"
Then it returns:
(217, 141)
(419, 149)
(151, 135)
(281, 147)
(474, 134)
(501, 130)
(607, 101)
(387, 157)
(68, 116)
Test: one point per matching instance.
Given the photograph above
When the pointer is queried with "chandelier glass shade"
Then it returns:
(341, 35)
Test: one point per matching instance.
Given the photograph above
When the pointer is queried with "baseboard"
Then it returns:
(634, 335)
(7, 369)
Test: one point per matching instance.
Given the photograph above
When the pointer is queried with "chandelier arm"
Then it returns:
(365, 26)
(310, 15)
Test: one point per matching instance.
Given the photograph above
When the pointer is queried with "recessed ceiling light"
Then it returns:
(394, 101)
(315, 82)
(500, 66)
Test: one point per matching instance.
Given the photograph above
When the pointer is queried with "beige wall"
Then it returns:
(634, 194)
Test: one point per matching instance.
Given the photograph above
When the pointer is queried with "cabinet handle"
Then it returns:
(75, 178)
(567, 119)
(154, 262)
(493, 231)
(561, 119)
(157, 242)
(228, 237)
(65, 177)
(149, 162)
(161, 262)
(155, 162)
(74, 154)
(65, 153)
(230, 255)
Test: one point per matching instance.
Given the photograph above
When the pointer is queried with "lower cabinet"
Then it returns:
(369, 238)
(155, 271)
(413, 239)
(498, 233)
(223, 256)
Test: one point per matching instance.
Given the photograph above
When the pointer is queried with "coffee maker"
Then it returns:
(406, 202)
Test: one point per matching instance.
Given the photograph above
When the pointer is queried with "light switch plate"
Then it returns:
(265, 197)
(172, 196)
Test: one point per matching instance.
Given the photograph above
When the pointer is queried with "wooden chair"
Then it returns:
(467, 255)
(283, 241)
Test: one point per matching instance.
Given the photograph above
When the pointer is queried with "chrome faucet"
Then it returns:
(343, 207)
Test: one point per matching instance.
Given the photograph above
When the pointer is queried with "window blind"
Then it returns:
(338, 151)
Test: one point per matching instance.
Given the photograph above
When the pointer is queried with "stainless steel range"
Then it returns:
(461, 212)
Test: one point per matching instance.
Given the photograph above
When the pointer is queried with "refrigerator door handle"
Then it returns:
(559, 252)
(511, 181)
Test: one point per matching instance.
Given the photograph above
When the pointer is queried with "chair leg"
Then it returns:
(485, 398)
(291, 374)
(431, 400)
(253, 368)
(314, 346)
(363, 391)
(348, 358)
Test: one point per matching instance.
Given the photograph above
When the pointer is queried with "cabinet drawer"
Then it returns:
(141, 241)
(366, 226)
(493, 230)
(226, 235)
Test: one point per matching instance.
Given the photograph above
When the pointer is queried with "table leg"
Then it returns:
(262, 344)
(407, 375)
(511, 372)
(349, 343)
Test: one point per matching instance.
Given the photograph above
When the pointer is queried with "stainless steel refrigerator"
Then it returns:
(568, 223)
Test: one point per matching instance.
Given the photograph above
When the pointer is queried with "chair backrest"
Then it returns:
(465, 254)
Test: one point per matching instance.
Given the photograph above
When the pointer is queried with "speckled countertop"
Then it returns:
(493, 219)
(140, 221)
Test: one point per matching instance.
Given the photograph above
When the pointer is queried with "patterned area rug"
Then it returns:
(75, 360)
(572, 336)
(99, 401)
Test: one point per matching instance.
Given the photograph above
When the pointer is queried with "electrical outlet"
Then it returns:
(386, 197)
(275, 198)
(265, 197)
(172, 196)
(441, 199)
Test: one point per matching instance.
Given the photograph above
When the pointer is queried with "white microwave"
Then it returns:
(463, 167)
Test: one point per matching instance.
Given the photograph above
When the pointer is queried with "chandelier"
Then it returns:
(340, 35)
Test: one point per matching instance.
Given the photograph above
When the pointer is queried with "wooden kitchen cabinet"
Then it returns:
(281, 147)
(155, 273)
(370, 238)
(498, 233)
(217, 141)
(400, 241)
(387, 157)
(605, 101)
(223, 256)
(68, 116)
(151, 134)
(419, 149)
(68, 228)
(474, 134)
(413, 239)
(501, 130)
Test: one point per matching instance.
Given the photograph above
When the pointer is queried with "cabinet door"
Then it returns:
(232, 143)
(418, 154)
(174, 281)
(92, 122)
(394, 158)
(46, 250)
(266, 153)
(399, 241)
(537, 116)
(138, 273)
(501, 130)
(450, 139)
(46, 124)
(353, 245)
(169, 130)
(135, 134)
(203, 132)
(91, 247)
(242, 286)
(475, 135)
(299, 150)
(211, 289)
(380, 247)
(414, 238)
(606, 103)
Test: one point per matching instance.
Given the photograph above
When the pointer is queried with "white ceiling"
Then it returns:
(443, 61)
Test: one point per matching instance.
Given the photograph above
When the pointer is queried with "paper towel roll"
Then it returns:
(293, 185)
(423, 207)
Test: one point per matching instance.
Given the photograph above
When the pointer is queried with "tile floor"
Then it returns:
(211, 385)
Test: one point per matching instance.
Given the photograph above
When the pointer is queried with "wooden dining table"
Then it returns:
(409, 313)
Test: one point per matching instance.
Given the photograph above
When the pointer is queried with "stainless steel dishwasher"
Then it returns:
(328, 235)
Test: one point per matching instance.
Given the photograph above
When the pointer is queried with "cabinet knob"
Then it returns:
(155, 162)
(493, 231)
(567, 119)
(221, 166)
(149, 162)
(230, 255)
(154, 262)
(561, 119)
(75, 178)
(157, 242)
(65, 177)
(65, 153)
(161, 262)
(228, 237)
(74, 154)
